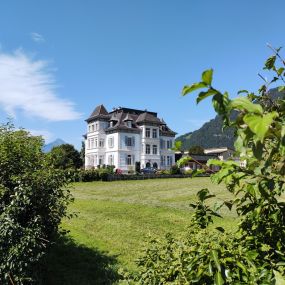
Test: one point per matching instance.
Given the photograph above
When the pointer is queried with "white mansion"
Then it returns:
(128, 139)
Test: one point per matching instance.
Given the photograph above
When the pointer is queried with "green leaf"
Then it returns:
(259, 125)
(279, 279)
(281, 88)
(220, 229)
(203, 95)
(280, 70)
(207, 76)
(220, 102)
(219, 279)
(203, 194)
(242, 103)
(242, 91)
(270, 62)
(215, 258)
(195, 86)
(229, 204)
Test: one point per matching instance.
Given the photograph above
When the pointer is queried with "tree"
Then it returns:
(254, 253)
(65, 156)
(82, 152)
(196, 150)
(33, 199)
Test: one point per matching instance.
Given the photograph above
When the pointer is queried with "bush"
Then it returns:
(175, 170)
(89, 175)
(33, 200)
(188, 172)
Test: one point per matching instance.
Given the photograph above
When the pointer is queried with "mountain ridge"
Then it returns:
(48, 147)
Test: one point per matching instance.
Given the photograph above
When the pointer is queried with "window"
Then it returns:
(96, 126)
(129, 124)
(169, 144)
(154, 133)
(130, 141)
(90, 160)
(168, 160)
(162, 144)
(89, 128)
(147, 149)
(129, 160)
(91, 143)
(101, 159)
(92, 127)
(111, 142)
(96, 142)
(147, 132)
(111, 160)
(162, 160)
(101, 143)
(154, 149)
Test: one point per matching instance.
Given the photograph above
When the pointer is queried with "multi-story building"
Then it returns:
(128, 139)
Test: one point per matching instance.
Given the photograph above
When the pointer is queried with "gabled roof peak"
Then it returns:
(99, 110)
(128, 118)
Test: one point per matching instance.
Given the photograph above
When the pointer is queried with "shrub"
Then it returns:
(175, 170)
(33, 199)
(254, 254)
(89, 175)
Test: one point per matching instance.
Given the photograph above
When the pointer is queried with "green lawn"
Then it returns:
(113, 221)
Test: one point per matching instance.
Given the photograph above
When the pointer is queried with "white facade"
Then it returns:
(124, 148)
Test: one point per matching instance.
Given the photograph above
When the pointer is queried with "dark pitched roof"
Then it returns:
(120, 115)
(120, 123)
(99, 112)
(114, 117)
(147, 117)
(128, 118)
(162, 122)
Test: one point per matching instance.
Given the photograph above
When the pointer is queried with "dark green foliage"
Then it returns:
(65, 156)
(33, 200)
(82, 153)
(88, 175)
(211, 134)
(175, 169)
(196, 149)
(254, 254)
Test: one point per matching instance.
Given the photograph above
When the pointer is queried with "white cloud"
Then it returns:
(38, 38)
(28, 85)
(48, 136)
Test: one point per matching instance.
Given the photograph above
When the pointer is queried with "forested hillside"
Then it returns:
(209, 135)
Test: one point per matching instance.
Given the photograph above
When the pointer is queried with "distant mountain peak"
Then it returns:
(48, 147)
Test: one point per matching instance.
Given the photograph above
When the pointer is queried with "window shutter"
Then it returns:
(126, 140)
(126, 159)
(133, 141)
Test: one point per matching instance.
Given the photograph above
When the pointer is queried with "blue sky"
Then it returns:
(59, 59)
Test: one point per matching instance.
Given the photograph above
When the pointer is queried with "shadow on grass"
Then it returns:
(70, 264)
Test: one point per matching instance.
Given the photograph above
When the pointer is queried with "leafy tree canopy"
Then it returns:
(33, 199)
(65, 156)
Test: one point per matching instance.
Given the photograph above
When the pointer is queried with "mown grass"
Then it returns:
(114, 219)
